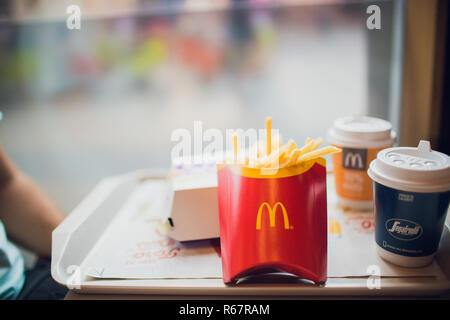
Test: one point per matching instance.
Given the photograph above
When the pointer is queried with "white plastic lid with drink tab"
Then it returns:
(412, 169)
(361, 132)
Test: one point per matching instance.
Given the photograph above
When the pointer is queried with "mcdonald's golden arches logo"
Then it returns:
(272, 212)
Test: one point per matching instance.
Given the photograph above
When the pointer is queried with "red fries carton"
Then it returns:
(276, 221)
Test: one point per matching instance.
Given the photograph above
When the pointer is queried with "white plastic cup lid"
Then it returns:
(361, 132)
(412, 169)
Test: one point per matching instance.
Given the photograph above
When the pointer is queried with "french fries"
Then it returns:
(261, 146)
(269, 135)
(317, 153)
(272, 153)
(281, 155)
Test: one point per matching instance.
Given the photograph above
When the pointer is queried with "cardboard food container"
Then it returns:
(193, 213)
(273, 221)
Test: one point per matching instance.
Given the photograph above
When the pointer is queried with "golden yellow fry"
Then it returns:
(291, 146)
(283, 165)
(307, 140)
(269, 134)
(317, 153)
(270, 162)
(293, 157)
(261, 149)
(317, 142)
(280, 155)
(290, 158)
(235, 146)
(259, 165)
(306, 148)
(262, 158)
(260, 162)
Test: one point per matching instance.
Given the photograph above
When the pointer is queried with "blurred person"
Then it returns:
(27, 217)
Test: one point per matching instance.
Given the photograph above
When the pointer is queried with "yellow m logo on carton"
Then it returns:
(272, 211)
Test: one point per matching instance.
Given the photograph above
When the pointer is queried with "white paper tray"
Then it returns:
(75, 238)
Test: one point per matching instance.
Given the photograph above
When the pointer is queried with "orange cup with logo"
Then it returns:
(273, 221)
(361, 138)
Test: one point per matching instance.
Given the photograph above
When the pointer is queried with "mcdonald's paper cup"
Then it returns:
(276, 221)
(360, 138)
(412, 193)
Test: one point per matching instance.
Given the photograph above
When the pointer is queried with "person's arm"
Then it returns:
(27, 213)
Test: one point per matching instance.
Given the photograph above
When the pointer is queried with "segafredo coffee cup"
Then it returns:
(412, 193)
(360, 138)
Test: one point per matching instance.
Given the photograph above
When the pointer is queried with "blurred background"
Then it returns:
(79, 105)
